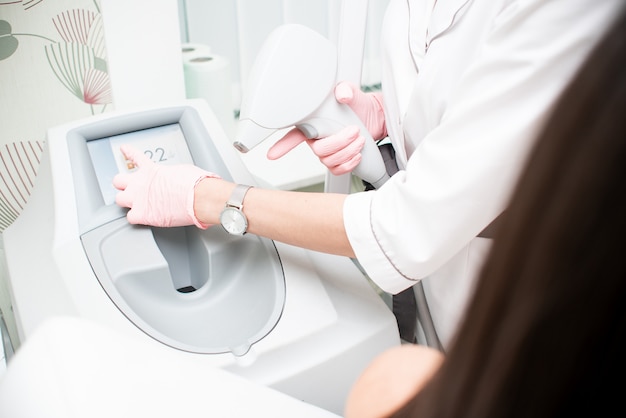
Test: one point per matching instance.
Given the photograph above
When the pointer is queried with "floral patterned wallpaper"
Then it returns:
(53, 70)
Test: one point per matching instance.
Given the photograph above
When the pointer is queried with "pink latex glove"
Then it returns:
(340, 152)
(157, 194)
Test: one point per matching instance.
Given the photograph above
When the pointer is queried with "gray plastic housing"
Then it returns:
(201, 291)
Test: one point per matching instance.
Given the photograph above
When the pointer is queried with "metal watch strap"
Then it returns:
(237, 196)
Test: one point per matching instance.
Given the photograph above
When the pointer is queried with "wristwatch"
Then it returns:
(232, 217)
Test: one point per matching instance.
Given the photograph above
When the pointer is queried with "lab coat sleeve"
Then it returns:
(461, 174)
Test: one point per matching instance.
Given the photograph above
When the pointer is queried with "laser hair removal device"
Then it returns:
(292, 83)
(300, 322)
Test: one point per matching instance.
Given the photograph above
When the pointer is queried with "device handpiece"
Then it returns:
(292, 83)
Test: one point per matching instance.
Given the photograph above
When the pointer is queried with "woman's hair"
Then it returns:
(543, 335)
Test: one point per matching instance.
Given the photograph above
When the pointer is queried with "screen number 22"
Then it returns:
(157, 155)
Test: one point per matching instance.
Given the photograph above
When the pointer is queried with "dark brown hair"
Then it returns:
(543, 335)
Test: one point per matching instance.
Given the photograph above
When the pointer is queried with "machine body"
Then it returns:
(301, 322)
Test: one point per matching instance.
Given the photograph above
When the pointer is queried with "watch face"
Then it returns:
(233, 221)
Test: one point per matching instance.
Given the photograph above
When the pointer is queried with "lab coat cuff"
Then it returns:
(359, 229)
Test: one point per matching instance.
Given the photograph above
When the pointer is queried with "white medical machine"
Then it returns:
(301, 322)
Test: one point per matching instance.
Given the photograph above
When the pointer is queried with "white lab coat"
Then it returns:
(463, 105)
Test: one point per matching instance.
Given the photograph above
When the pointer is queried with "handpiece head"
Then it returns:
(292, 75)
(250, 134)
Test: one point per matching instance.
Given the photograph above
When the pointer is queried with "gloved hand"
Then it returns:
(158, 195)
(341, 152)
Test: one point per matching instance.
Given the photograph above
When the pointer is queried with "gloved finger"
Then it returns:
(134, 218)
(335, 142)
(124, 199)
(135, 156)
(120, 181)
(351, 94)
(292, 139)
(344, 155)
(345, 92)
(347, 166)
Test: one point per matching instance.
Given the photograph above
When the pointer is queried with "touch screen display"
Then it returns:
(164, 145)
